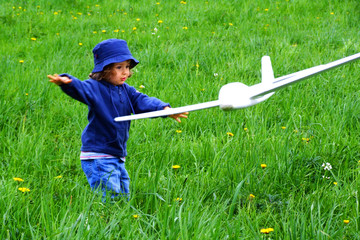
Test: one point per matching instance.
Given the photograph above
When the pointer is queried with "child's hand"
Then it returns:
(178, 116)
(59, 80)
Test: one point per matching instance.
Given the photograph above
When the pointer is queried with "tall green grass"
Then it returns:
(187, 51)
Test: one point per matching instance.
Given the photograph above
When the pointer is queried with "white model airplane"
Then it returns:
(238, 95)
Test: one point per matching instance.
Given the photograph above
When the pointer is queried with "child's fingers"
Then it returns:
(59, 80)
(52, 77)
(178, 116)
(184, 115)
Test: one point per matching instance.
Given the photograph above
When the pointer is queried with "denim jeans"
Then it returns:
(108, 175)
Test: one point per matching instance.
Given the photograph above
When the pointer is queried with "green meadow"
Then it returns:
(287, 168)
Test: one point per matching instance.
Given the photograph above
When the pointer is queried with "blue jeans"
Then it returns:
(108, 175)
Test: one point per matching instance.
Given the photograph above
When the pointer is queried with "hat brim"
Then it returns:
(100, 66)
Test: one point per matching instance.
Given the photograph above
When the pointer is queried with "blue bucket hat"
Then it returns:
(111, 51)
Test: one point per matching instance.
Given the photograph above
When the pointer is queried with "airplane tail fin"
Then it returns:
(267, 73)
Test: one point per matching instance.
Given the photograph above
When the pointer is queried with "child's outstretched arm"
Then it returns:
(59, 80)
(178, 116)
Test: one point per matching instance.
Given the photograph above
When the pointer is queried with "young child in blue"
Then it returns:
(103, 149)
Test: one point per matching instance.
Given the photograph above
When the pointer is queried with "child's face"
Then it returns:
(119, 73)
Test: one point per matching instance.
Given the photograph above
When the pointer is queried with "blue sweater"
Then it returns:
(105, 102)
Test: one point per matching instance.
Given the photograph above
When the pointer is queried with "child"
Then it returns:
(107, 95)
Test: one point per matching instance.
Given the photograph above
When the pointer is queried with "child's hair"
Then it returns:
(104, 74)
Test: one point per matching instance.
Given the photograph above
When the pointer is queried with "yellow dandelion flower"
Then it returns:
(294, 45)
(57, 34)
(33, 39)
(74, 18)
(266, 9)
(346, 221)
(79, 13)
(80, 44)
(21, 61)
(157, 3)
(97, 5)
(185, 28)
(26, 94)
(160, 21)
(230, 24)
(103, 31)
(332, 13)
(134, 28)
(203, 89)
(178, 131)
(122, 31)
(266, 230)
(58, 177)
(182, 2)
(178, 199)
(251, 196)
(230, 134)
(116, 31)
(335, 183)
(138, 19)
(176, 167)
(94, 32)
(56, 13)
(263, 165)
(135, 216)
(18, 179)
(24, 189)
(125, 13)
(283, 127)
(141, 86)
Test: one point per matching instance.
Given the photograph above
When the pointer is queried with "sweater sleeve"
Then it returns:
(143, 103)
(79, 90)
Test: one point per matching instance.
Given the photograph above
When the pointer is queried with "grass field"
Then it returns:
(241, 172)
